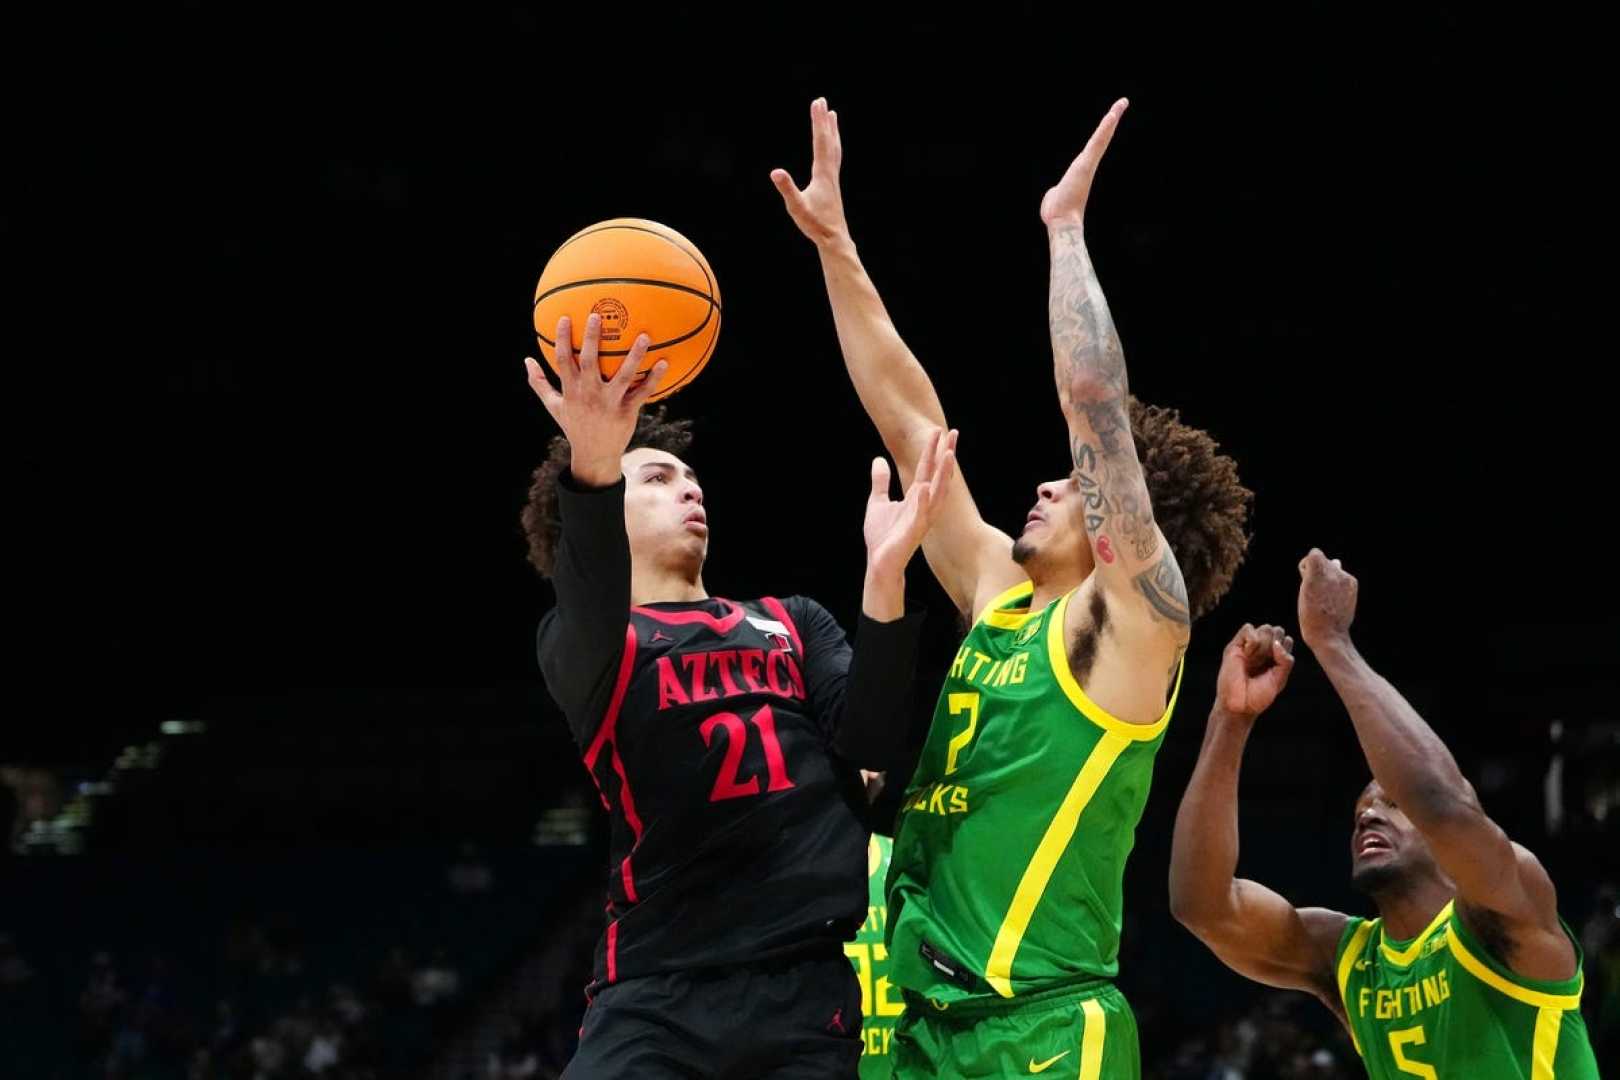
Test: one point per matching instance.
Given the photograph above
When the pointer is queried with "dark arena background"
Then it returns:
(283, 792)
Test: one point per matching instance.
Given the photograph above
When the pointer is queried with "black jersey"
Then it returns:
(724, 738)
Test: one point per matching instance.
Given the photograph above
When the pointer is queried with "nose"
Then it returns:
(693, 494)
(1047, 492)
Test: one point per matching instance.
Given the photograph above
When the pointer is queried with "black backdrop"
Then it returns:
(271, 272)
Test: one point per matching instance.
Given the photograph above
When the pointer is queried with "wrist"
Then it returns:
(883, 595)
(1238, 721)
(595, 473)
(1334, 650)
(838, 246)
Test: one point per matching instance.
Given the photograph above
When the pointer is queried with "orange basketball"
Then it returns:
(640, 277)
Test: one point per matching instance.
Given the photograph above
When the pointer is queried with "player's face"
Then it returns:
(1054, 536)
(1384, 847)
(663, 508)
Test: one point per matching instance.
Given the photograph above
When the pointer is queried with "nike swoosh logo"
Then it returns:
(1047, 1064)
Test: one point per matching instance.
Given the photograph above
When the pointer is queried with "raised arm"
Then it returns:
(582, 638)
(1135, 566)
(1417, 772)
(859, 695)
(1254, 931)
(971, 559)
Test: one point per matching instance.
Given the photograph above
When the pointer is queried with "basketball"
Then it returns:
(639, 277)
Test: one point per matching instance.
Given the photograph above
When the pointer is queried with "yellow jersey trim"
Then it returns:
(1404, 957)
(1540, 999)
(1092, 1039)
(1352, 951)
(1549, 1022)
(1038, 874)
(1009, 620)
(1058, 654)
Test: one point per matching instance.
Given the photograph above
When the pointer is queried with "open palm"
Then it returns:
(895, 529)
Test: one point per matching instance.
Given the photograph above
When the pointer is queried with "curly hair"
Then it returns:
(541, 524)
(1198, 501)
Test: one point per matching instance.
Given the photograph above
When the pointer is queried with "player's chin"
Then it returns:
(1374, 872)
(695, 542)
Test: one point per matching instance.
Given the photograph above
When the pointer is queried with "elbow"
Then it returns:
(1438, 801)
(1188, 905)
(1187, 912)
(1206, 911)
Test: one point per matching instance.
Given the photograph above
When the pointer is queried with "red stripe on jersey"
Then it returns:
(777, 608)
(611, 718)
(606, 736)
(721, 625)
(613, 951)
(624, 795)
(634, 820)
(629, 879)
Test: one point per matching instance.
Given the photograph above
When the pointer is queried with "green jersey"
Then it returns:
(1442, 1007)
(1011, 845)
(880, 1001)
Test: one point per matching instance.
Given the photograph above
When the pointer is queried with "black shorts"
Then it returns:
(795, 1019)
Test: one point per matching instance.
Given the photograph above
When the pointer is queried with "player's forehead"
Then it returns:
(645, 458)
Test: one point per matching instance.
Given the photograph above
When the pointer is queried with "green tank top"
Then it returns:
(1440, 1006)
(1011, 845)
(881, 1004)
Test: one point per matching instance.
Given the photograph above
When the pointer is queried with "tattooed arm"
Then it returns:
(1135, 569)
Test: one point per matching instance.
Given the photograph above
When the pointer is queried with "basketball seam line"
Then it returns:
(628, 281)
(690, 253)
(660, 345)
(665, 391)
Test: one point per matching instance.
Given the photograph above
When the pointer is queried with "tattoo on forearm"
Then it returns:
(1084, 342)
(1165, 590)
(1090, 369)
(1136, 521)
(1112, 426)
(1116, 490)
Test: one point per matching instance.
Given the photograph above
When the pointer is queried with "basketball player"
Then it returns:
(725, 738)
(1004, 898)
(1468, 972)
(880, 998)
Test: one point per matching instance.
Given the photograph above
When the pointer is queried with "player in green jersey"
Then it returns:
(1004, 897)
(1468, 973)
(880, 998)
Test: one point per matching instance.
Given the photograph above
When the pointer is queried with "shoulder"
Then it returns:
(546, 631)
(804, 611)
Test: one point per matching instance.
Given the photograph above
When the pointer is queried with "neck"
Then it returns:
(1049, 587)
(666, 585)
(1409, 908)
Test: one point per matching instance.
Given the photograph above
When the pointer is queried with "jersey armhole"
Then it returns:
(1474, 958)
(1058, 657)
(1008, 620)
(1352, 943)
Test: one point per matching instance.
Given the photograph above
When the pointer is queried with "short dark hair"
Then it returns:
(541, 524)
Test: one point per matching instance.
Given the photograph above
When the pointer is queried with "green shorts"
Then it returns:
(1085, 1031)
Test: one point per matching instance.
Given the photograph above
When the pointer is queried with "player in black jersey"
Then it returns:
(726, 740)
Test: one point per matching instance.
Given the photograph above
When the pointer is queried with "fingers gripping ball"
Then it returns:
(638, 277)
